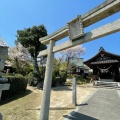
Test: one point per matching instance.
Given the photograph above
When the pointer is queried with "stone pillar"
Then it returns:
(44, 112)
(74, 91)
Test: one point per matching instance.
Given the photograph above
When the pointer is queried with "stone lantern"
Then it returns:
(3, 55)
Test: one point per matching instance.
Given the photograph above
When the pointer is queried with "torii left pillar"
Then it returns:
(44, 111)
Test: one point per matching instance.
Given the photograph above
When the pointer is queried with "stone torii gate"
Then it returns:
(74, 29)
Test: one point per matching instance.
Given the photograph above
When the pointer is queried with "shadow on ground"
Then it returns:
(78, 116)
(82, 104)
(15, 97)
(62, 88)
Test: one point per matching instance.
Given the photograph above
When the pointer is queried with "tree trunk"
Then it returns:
(67, 66)
(35, 64)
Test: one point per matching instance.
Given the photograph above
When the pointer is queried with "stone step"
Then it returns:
(108, 83)
(103, 83)
(107, 80)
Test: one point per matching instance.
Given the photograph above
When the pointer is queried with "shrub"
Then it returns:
(55, 81)
(58, 78)
(22, 68)
(63, 76)
(80, 79)
(17, 84)
(69, 76)
(33, 78)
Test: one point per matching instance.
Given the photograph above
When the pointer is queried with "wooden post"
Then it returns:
(44, 112)
(74, 92)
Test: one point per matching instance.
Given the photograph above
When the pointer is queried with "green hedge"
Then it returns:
(17, 84)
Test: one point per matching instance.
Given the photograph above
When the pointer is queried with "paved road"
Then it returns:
(104, 104)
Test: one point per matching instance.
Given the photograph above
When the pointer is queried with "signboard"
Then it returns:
(75, 28)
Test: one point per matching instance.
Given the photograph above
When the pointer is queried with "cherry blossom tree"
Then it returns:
(19, 56)
(69, 54)
(19, 53)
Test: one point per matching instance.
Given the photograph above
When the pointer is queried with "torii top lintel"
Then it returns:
(102, 11)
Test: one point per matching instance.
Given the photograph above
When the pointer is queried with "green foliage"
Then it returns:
(56, 72)
(23, 68)
(58, 77)
(27, 68)
(9, 59)
(80, 80)
(69, 76)
(29, 38)
(42, 71)
(55, 81)
(33, 78)
(63, 65)
(18, 84)
(55, 77)
(63, 76)
(12, 75)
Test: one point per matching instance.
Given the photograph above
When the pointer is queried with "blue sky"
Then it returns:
(54, 14)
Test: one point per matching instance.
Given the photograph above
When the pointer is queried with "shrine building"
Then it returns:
(105, 64)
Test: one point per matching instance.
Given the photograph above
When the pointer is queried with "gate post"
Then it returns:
(74, 91)
(44, 112)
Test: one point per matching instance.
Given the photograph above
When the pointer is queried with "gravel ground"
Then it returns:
(61, 100)
(27, 107)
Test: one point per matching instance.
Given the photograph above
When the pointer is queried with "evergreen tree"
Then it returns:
(29, 38)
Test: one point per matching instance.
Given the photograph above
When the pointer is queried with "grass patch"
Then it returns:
(17, 107)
